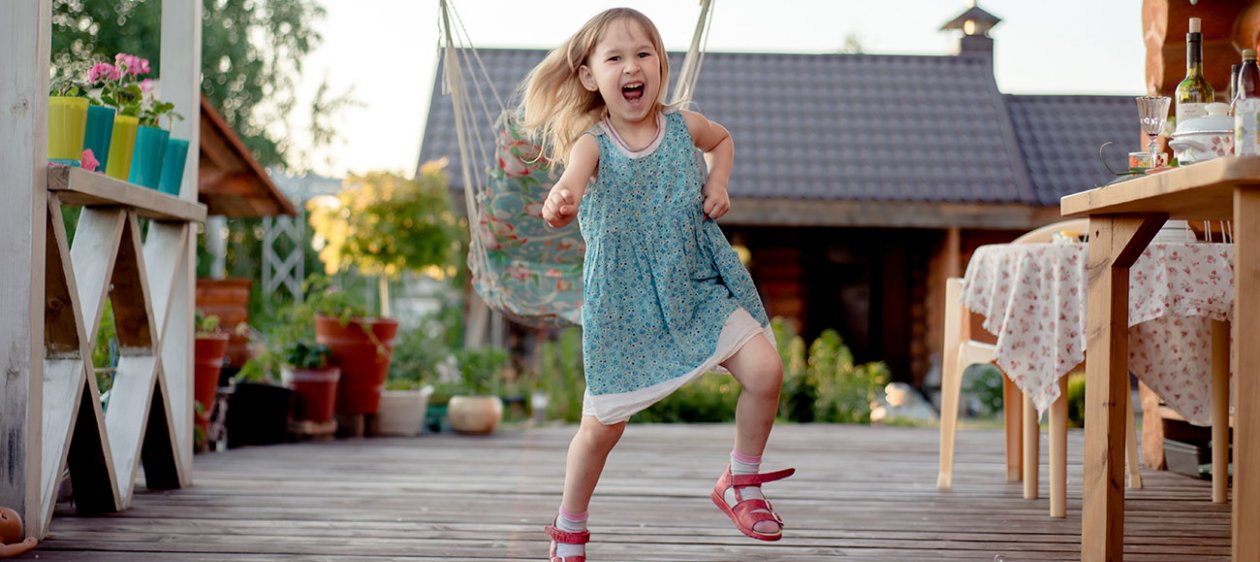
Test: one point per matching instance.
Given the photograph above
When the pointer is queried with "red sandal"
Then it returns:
(747, 513)
(567, 537)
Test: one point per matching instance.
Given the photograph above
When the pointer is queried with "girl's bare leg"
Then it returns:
(587, 453)
(758, 368)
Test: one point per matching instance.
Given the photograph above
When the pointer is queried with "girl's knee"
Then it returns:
(767, 378)
(600, 435)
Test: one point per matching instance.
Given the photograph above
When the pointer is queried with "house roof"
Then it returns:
(1060, 137)
(231, 182)
(878, 128)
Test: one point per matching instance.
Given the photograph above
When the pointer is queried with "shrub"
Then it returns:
(561, 375)
(708, 399)
(1076, 399)
(983, 385)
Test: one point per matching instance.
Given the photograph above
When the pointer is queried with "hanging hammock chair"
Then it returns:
(522, 268)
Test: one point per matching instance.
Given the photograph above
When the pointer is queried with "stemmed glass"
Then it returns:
(1153, 111)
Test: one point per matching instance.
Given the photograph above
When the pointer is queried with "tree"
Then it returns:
(383, 224)
(251, 57)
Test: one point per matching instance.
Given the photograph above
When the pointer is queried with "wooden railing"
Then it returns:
(134, 249)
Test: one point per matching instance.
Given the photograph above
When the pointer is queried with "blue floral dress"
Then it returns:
(665, 297)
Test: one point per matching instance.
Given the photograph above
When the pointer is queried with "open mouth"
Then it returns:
(633, 91)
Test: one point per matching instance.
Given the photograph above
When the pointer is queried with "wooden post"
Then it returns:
(1246, 502)
(25, 41)
(181, 84)
(1115, 243)
(1058, 451)
(1220, 411)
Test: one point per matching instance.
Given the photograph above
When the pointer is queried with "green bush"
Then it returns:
(561, 375)
(984, 383)
(796, 399)
(708, 399)
(417, 353)
(481, 369)
(1076, 399)
(824, 385)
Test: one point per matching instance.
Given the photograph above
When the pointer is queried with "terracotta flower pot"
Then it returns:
(364, 364)
(316, 391)
(207, 362)
(475, 414)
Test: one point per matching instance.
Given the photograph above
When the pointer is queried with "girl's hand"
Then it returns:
(715, 200)
(559, 208)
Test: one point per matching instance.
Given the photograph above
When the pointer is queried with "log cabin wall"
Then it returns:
(1229, 26)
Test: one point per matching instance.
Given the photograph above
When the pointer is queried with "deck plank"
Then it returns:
(861, 493)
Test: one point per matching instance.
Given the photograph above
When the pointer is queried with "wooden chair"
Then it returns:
(960, 351)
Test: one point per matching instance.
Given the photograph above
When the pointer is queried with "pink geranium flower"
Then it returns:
(103, 71)
(88, 161)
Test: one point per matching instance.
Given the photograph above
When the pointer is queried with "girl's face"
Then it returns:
(625, 69)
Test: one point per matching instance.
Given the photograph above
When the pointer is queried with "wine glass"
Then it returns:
(1153, 112)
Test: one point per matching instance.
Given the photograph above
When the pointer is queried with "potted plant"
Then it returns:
(125, 94)
(308, 371)
(152, 139)
(380, 224)
(100, 118)
(480, 410)
(67, 121)
(210, 347)
(414, 362)
(361, 344)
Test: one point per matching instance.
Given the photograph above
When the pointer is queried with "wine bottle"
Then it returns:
(1246, 104)
(1194, 92)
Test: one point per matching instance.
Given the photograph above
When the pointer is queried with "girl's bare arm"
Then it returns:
(714, 140)
(562, 202)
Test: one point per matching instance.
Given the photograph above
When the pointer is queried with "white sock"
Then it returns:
(748, 464)
(744, 464)
(573, 523)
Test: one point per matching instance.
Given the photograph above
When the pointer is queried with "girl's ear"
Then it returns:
(588, 79)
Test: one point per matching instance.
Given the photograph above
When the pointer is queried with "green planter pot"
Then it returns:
(121, 144)
(146, 163)
(67, 121)
(173, 166)
(100, 128)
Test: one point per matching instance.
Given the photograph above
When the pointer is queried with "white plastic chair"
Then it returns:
(960, 351)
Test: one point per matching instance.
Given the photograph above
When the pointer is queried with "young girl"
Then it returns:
(665, 296)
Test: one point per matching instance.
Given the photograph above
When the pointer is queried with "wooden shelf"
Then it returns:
(78, 187)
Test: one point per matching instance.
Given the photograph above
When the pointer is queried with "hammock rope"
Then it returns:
(520, 267)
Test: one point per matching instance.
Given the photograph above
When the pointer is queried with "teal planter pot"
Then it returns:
(146, 161)
(100, 129)
(173, 166)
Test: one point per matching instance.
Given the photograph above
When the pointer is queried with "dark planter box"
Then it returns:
(1185, 458)
(258, 414)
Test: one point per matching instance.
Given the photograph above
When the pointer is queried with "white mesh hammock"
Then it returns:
(522, 268)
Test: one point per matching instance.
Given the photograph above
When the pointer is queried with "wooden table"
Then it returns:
(1123, 218)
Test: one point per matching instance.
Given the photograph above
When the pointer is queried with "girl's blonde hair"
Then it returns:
(557, 108)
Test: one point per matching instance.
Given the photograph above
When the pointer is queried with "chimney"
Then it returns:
(975, 24)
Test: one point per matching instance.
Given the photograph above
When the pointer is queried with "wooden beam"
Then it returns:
(1245, 326)
(25, 41)
(181, 80)
(1115, 243)
(77, 187)
(896, 214)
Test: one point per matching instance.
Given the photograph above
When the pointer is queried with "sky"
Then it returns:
(386, 50)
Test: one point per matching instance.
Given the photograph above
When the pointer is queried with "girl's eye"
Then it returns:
(614, 59)
(644, 55)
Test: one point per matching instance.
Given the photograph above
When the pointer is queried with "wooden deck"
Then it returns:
(860, 493)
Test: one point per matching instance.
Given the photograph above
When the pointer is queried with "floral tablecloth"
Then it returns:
(1032, 296)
